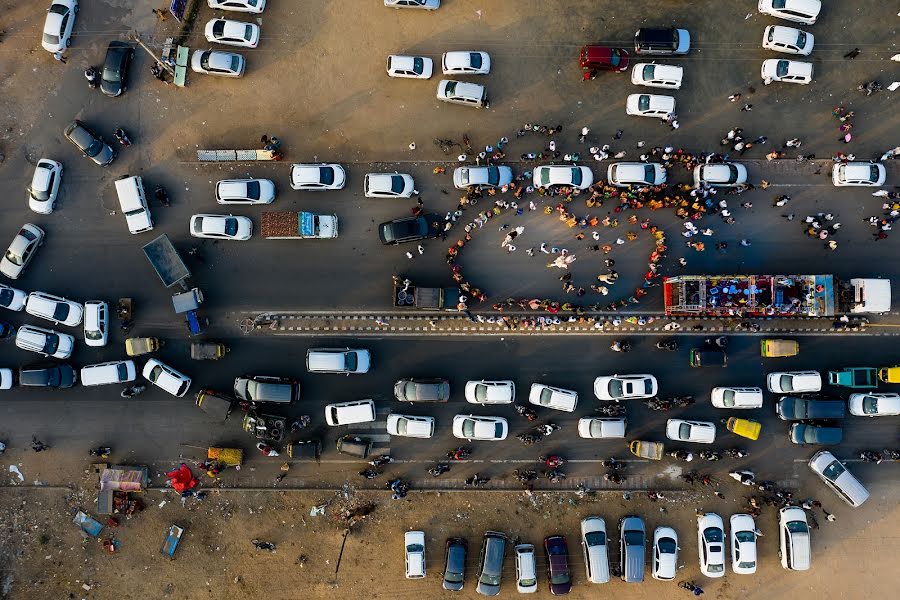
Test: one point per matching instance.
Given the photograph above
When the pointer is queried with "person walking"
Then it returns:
(747, 108)
(735, 97)
(37, 445)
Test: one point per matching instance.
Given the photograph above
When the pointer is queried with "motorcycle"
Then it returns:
(92, 77)
(101, 451)
(892, 455)
(529, 438)
(657, 404)
(459, 454)
(614, 478)
(525, 476)
(710, 455)
(681, 455)
(736, 453)
(369, 473)
(439, 469)
(870, 456)
(766, 486)
(528, 156)
(870, 87)
(612, 410)
(301, 422)
(680, 401)
(744, 477)
(719, 342)
(476, 480)
(555, 475)
(546, 429)
(620, 346)
(131, 392)
(615, 465)
(161, 196)
(266, 449)
(122, 137)
(553, 461)
(384, 459)
(526, 412)
(670, 345)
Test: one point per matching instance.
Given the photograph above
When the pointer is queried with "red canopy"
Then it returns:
(182, 478)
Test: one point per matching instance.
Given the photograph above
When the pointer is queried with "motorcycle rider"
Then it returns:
(91, 75)
(122, 136)
(554, 461)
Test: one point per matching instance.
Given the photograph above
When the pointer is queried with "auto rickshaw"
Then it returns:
(645, 449)
(889, 374)
(860, 378)
(208, 350)
(308, 449)
(136, 346)
(777, 348)
(743, 427)
(215, 404)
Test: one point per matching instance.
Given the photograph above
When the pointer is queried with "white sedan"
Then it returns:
(788, 71)
(788, 40)
(743, 544)
(245, 191)
(711, 541)
(44, 186)
(21, 250)
(799, 11)
(410, 426)
(794, 382)
(484, 177)
(699, 432)
(552, 397)
(389, 185)
(650, 105)
(858, 174)
(232, 33)
(45, 341)
(596, 428)
(653, 75)
(318, 177)
(409, 67)
(737, 397)
(221, 227)
(546, 176)
(665, 554)
(625, 387)
(54, 308)
(726, 174)
(216, 62)
(167, 378)
(874, 404)
(490, 392)
(57, 34)
(12, 298)
(424, 4)
(623, 174)
(488, 429)
(247, 6)
(466, 63)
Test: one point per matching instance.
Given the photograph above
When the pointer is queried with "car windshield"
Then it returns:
(667, 546)
(397, 184)
(527, 583)
(61, 311)
(747, 564)
(786, 383)
(546, 396)
(493, 175)
(218, 28)
(745, 536)
(781, 69)
(157, 371)
(93, 334)
(801, 39)
(559, 578)
(418, 65)
(6, 296)
(732, 174)
(475, 59)
(451, 88)
(634, 538)
(415, 548)
(797, 527)
(576, 175)
(684, 431)
(778, 3)
(615, 388)
(235, 63)
(728, 398)
(644, 102)
(51, 39)
(649, 173)
(51, 343)
(350, 361)
(648, 72)
(468, 428)
(873, 173)
(712, 534)
(545, 176)
(615, 57)
(498, 430)
(870, 405)
(595, 538)
(715, 568)
(231, 226)
(248, 32)
(14, 258)
(253, 190)
(833, 471)
(481, 392)
(488, 579)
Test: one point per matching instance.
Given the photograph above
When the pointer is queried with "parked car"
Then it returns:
(650, 105)
(483, 177)
(836, 476)
(247, 6)
(625, 387)
(595, 546)
(490, 564)
(788, 71)
(711, 541)
(727, 174)
(793, 537)
(558, 564)
(603, 58)
(743, 544)
(410, 426)
(682, 430)
(788, 40)
(874, 404)
(822, 435)
(526, 569)
(422, 389)
(343, 361)
(799, 11)
(553, 397)
(44, 186)
(218, 62)
(790, 408)
(232, 33)
(423, 4)
(471, 427)
(409, 67)
(632, 540)
(167, 378)
(665, 554)
(794, 382)
(653, 75)
(221, 227)
(389, 185)
(54, 308)
(7, 379)
(624, 174)
(858, 174)
(547, 176)
(58, 25)
(45, 341)
(466, 63)
(114, 75)
(96, 323)
(414, 541)
(266, 388)
(602, 427)
(737, 397)
(350, 413)
(409, 229)
(455, 564)
(90, 144)
(12, 298)
(56, 376)
(245, 191)
(319, 177)
(462, 92)
(662, 41)
(21, 250)
(490, 392)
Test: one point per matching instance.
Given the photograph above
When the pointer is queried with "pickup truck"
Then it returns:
(425, 298)
(287, 225)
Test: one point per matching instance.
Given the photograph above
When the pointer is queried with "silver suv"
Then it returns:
(434, 389)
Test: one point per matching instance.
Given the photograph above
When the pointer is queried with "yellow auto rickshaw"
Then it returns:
(776, 348)
(645, 449)
(135, 346)
(889, 374)
(743, 427)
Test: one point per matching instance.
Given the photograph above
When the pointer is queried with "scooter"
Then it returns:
(439, 469)
(620, 346)
(547, 429)
(612, 410)
(736, 453)
(682, 455)
(553, 461)
(101, 451)
(266, 449)
(871, 456)
(459, 454)
(529, 438)
(710, 455)
(384, 459)
(614, 478)
(615, 465)
(525, 476)
(745, 477)
(131, 392)
(526, 412)
(369, 473)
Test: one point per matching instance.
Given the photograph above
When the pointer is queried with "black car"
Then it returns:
(115, 68)
(6, 330)
(662, 40)
(90, 144)
(50, 376)
(455, 571)
(823, 435)
(410, 229)
(708, 357)
(790, 408)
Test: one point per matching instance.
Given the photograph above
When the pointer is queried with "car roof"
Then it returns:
(665, 71)
(232, 188)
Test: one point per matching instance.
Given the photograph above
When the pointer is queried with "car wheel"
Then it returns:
(68, 42)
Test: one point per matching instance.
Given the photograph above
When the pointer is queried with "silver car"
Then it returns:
(21, 250)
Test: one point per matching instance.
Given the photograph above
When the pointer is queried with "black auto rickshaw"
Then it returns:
(215, 404)
(208, 350)
(354, 446)
(305, 449)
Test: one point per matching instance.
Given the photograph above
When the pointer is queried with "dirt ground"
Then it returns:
(44, 555)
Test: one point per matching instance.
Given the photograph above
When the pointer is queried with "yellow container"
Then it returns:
(744, 427)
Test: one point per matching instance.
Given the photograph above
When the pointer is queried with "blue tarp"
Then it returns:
(307, 224)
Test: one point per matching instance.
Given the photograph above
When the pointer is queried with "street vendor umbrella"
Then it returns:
(182, 479)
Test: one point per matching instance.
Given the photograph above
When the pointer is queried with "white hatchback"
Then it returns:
(624, 174)
(625, 387)
(874, 404)
(788, 71)
(389, 185)
(736, 397)
(794, 382)
(546, 176)
(466, 63)
(44, 186)
(471, 427)
(743, 544)
(57, 33)
(12, 298)
(553, 397)
(858, 174)
(490, 392)
(221, 227)
(683, 430)
(217, 62)
(665, 554)
(414, 543)
(45, 341)
(96, 322)
(410, 426)
(650, 105)
(653, 75)
(409, 67)
(711, 541)
(232, 33)
(247, 6)
(245, 191)
(318, 177)
(167, 378)
(799, 11)
(787, 40)
(726, 174)
(21, 250)
(54, 308)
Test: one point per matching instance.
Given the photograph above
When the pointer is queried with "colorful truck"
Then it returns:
(288, 225)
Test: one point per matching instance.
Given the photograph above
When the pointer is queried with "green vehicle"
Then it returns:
(854, 377)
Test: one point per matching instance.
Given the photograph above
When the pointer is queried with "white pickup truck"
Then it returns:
(287, 225)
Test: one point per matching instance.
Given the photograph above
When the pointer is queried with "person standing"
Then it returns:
(60, 57)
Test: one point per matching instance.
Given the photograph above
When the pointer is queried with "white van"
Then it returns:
(838, 478)
(117, 371)
(594, 543)
(793, 536)
(347, 413)
(133, 203)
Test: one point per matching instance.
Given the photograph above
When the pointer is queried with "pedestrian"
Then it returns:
(745, 243)
(761, 140)
(735, 97)
(831, 245)
(852, 54)
(719, 494)
(37, 445)
(847, 138)
(584, 132)
(789, 217)
(747, 205)
(280, 478)
(618, 135)
(747, 108)
(792, 143)
(682, 262)
(59, 56)
(829, 516)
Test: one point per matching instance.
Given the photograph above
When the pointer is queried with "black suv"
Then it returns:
(50, 376)
(790, 408)
(662, 41)
(410, 229)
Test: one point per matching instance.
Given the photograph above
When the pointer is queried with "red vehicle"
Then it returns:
(602, 58)
(558, 564)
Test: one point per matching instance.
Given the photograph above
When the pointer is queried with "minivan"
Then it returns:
(838, 478)
(117, 371)
(96, 322)
(56, 376)
(596, 551)
(460, 92)
(791, 408)
(793, 536)
(347, 413)
(264, 388)
(490, 565)
(632, 540)
(133, 202)
(337, 360)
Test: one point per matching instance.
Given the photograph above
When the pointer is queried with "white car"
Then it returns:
(835, 475)
(727, 174)
(793, 538)
(858, 174)
(414, 543)
(683, 430)
(44, 186)
(389, 185)
(12, 298)
(410, 426)
(57, 34)
(221, 227)
(245, 191)
(624, 174)
(794, 382)
(490, 392)
(232, 33)
(462, 92)
(625, 387)
(166, 377)
(45, 341)
(595, 545)
(788, 40)
(424, 4)
(317, 177)
(650, 105)
(470, 427)
(653, 75)
(737, 397)
(553, 397)
(247, 6)
(466, 63)
(216, 62)
(665, 554)
(546, 176)
(96, 323)
(21, 250)
(409, 67)
(54, 308)
(799, 11)
(788, 71)
(711, 540)
(743, 544)
(6, 379)
(597, 428)
(874, 404)
(482, 177)
(526, 569)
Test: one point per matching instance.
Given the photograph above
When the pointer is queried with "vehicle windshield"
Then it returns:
(545, 176)
(397, 184)
(684, 431)
(745, 536)
(615, 57)
(415, 549)
(14, 258)
(498, 430)
(778, 3)
(801, 39)
(218, 28)
(61, 311)
(667, 546)
(870, 405)
(634, 538)
(644, 102)
(493, 175)
(781, 69)
(728, 398)
(248, 32)
(559, 578)
(6, 296)
(451, 88)
(93, 334)
(712, 534)
(833, 471)
(595, 538)
(797, 527)
(253, 190)
(51, 343)
(615, 388)
(231, 226)
(715, 568)
(468, 428)
(649, 173)
(648, 72)
(350, 361)
(546, 396)
(418, 65)
(488, 579)
(786, 383)
(326, 176)
(481, 392)
(475, 59)
(235, 63)
(732, 174)
(527, 582)
(749, 564)
(576, 176)
(873, 173)
(252, 389)
(158, 370)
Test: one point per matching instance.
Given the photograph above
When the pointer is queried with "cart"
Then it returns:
(269, 427)
(861, 378)
(137, 346)
(309, 449)
(208, 350)
(215, 404)
(743, 427)
(645, 449)
(228, 457)
(773, 348)
(173, 536)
